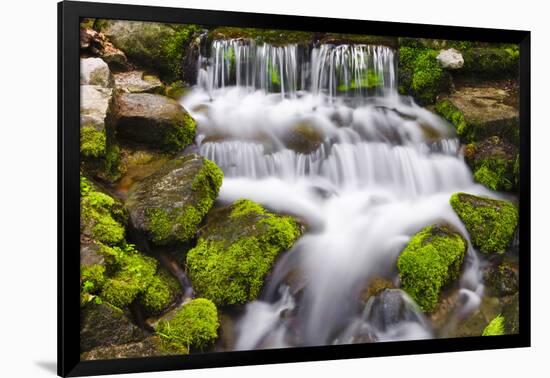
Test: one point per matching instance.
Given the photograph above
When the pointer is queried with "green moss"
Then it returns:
(451, 113)
(112, 163)
(97, 213)
(160, 293)
(92, 279)
(229, 271)
(431, 260)
(369, 80)
(271, 36)
(85, 186)
(135, 275)
(194, 326)
(164, 224)
(490, 223)
(175, 90)
(180, 134)
(421, 75)
(495, 327)
(496, 61)
(93, 143)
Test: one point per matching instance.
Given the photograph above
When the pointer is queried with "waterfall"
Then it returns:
(320, 132)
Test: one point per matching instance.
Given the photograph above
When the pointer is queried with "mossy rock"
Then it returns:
(491, 223)
(481, 112)
(494, 163)
(104, 324)
(156, 121)
(236, 249)
(152, 346)
(98, 148)
(193, 326)
(152, 45)
(162, 291)
(355, 39)
(420, 74)
(270, 36)
(169, 205)
(510, 312)
(102, 218)
(432, 259)
(496, 61)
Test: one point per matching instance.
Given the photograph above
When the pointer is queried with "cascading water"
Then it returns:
(378, 169)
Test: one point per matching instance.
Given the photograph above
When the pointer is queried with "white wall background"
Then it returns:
(28, 186)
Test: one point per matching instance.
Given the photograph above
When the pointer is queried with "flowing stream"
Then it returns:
(379, 169)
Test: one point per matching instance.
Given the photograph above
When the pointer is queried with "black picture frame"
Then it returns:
(69, 14)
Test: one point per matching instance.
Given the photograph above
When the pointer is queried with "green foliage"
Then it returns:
(112, 162)
(163, 224)
(193, 327)
(161, 291)
(93, 143)
(431, 260)
(495, 173)
(233, 271)
(495, 327)
(92, 278)
(490, 223)
(97, 216)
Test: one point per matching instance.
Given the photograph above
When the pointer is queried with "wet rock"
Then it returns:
(94, 71)
(481, 112)
(271, 36)
(150, 347)
(338, 39)
(389, 308)
(451, 59)
(138, 82)
(490, 223)
(502, 279)
(105, 325)
(474, 323)
(494, 162)
(303, 138)
(236, 249)
(89, 252)
(169, 205)
(153, 120)
(375, 286)
(510, 312)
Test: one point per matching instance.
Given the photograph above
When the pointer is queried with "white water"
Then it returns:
(384, 170)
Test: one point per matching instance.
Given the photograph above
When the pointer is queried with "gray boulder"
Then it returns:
(94, 71)
(156, 121)
(104, 325)
(169, 205)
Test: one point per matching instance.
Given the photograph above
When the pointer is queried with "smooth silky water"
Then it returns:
(384, 169)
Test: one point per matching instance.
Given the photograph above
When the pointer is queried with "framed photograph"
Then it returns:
(239, 188)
